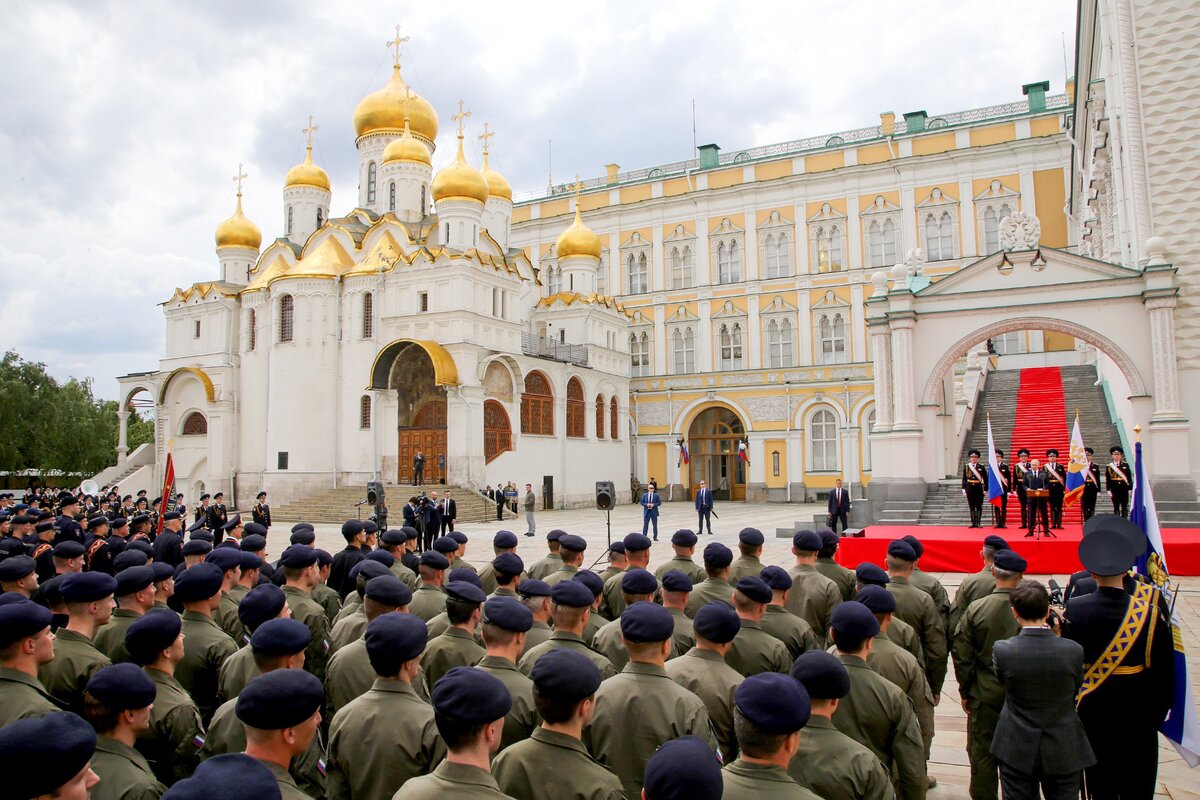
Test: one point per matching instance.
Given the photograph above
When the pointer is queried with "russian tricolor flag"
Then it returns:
(996, 487)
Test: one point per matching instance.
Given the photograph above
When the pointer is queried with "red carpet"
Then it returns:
(1040, 424)
(956, 549)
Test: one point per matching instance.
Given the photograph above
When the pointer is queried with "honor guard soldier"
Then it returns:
(1091, 485)
(505, 623)
(769, 711)
(715, 588)
(1000, 512)
(50, 756)
(571, 606)
(502, 542)
(683, 542)
(117, 704)
(795, 633)
(205, 646)
(754, 650)
(1118, 481)
(456, 647)
(201, 513)
(683, 769)
(552, 763)
(703, 671)
(1128, 653)
(261, 513)
(1020, 469)
(89, 599)
(280, 712)
(974, 484)
(26, 644)
(1056, 476)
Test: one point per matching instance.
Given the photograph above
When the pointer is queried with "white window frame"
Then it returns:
(992, 205)
(776, 240)
(944, 213)
(731, 345)
(637, 272)
(781, 343)
(827, 327)
(683, 350)
(865, 439)
(823, 453)
(681, 260)
(640, 346)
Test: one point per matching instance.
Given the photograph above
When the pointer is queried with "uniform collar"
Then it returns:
(817, 721)
(638, 668)
(111, 746)
(457, 633)
(556, 739)
(752, 624)
(677, 612)
(497, 662)
(764, 772)
(393, 685)
(852, 661)
(17, 676)
(196, 616)
(565, 635)
(463, 773)
(707, 655)
(281, 775)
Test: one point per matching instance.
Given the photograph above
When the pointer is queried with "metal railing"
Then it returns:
(544, 347)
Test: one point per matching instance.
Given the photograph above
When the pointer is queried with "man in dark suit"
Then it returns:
(1035, 478)
(432, 516)
(838, 506)
(1039, 740)
(449, 512)
(1019, 472)
(704, 506)
(419, 469)
(650, 504)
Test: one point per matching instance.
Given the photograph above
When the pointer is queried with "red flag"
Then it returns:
(168, 491)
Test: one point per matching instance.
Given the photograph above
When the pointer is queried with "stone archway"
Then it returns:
(713, 435)
(420, 416)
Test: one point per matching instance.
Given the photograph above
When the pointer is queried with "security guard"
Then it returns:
(683, 542)
(89, 599)
(769, 711)
(829, 762)
(457, 646)
(206, 646)
(26, 644)
(844, 578)
(637, 585)
(553, 763)
(124, 772)
(570, 550)
(703, 671)
(505, 623)
(1091, 485)
(795, 633)
(750, 545)
(715, 588)
(300, 571)
(280, 712)
(974, 482)
(572, 605)
(917, 609)
(977, 585)
(502, 542)
(813, 597)
(1118, 480)
(684, 769)
(48, 757)
(1056, 476)
(263, 603)
(754, 650)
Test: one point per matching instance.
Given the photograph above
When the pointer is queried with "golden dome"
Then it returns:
(307, 174)
(498, 185)
(387, 108)
(578, 240)
(460, 181)
(406, 147)
(238, 230)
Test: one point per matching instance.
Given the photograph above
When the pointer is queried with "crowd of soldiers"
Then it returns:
(201, 668)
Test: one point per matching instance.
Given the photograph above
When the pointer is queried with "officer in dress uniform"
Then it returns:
(1118, 480)
(261, 511)
(1056, 475)
(1091, 485)
(974, 481)
(1020, 470)
(1000, 513)
(66, 525)
(201, 514)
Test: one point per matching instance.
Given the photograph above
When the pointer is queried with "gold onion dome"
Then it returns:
(498, 185)
(578, 240)
(406, 147)
(307, 174)
(460, 181)
(239, 230)
(386, 109)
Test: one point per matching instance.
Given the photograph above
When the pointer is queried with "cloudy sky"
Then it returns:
(123, 122)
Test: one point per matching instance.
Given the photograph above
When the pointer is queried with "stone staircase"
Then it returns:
(338, 505)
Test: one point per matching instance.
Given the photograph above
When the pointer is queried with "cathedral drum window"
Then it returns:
(194, 424)
(614, 429)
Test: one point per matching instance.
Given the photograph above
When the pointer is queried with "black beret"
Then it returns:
(751, 536)
(995, 542)
(434, 560)
(902, 550)
(647, 622)
(302, 536)
(589, 579)
(467, 592)
(393, 536)
(249, 561)
(572, 594)
(14, 568)
(869, 574)
(138, 519)
(45, 525)
(676, 581)
(638, 581)
(684, 538)
(232, 776)
(1009, 560)
(822, 675)
(565, 675)
(21, 620)
(116, 523)
(142, 545)
(96, 521)
(754, 588)
(162, 570)
(68, 549)
(717, 555)
(411, 532)
(282, 636)
(393, 639)
(504, 540)
(87, 587)
(684, 769)
(508, 613)
(388, 590)
(52, 590)
(914, 543)
(170, 515)
(829, 538)
(324, 559)
(773, 703)
(122, 687)
(878, 599)
(150, 634)
(225, 557)
(253, 529)
(554, 535)
(508, 564)
(576, 544)
(133, 579)
(368, 568)
(199, 583)
(298, 556)
(532, 587)
(198, 531)
(466, 694)
(717, 622)
(129, 558)
(776, 577)
(854, 619)
(282, 698)
(301, 526)
(459, 537)
(465, 575)
(262, 603)
(636, 542)
(806, 541)
(445, 545)
(617, 547)
(41, 754)
(196, 547)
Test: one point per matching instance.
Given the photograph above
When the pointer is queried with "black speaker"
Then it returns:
(374, 493)
(606, 495)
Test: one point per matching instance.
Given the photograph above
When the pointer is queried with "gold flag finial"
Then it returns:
(1137, 433)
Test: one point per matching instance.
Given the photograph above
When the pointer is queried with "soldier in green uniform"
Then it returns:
(553, 763)
(172, 742)
(829, 762)
(900, 632)
(876, 713)
(322, 592)
(637, 585)
(349, 673)
(351, 626)
(754, 650)
(500, 575)
(715, 588)
(164, 583)
(535, 595)
(929, 584)
(637, 555)
(684, 769)
(703, 671)
(917, 608)
(595, 621)
(570, 549)
(683, 542)
(550, 562)
(387, 736)
(48, 757)
(987, 621)
(117, 704)
(617, 563)
(505, 623)
(676, 587)
(299, 564)
(641, 708)
(206, 645)
(572, 605)
(264, 602)
(750, 545)
(233, 776)
(977, 585)
(813, 597)
(393, 543)
(844, 578)
(280, 712)
(459, 560)
(89, 599)
(769, 711)
(795, 633)
(457, 646)
(26, 643)
(502, 542)
(441, 623)
(430, 599)
(135, 596)
(18, 573)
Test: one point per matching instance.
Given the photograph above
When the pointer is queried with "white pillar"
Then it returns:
(122, 434)
(1162, 342)
(881, 355)
(902, 373)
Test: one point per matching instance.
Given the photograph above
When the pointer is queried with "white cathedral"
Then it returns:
(337, 352)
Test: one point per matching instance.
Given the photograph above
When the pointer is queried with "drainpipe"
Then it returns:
(671, 436)
(788, 389)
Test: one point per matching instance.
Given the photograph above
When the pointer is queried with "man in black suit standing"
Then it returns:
(419, 469)
(838, 506)
(1039, 740)
(449, 512)
(704, 507)
(1035, 479)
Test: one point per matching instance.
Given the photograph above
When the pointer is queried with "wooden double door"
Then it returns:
(427, 436)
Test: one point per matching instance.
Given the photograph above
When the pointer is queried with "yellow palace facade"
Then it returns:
(744, 273)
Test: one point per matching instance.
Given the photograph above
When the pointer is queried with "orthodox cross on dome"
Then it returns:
(310, 130)
(460, 117)
(577, 188)
(241, 176)
(486, 136)
(395, 44)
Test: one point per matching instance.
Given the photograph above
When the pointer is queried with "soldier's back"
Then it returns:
(813, 597)
(523, 717)
(110, 638)
(22, 696)
(124, 773)
(754, 651)
(836, 767)
(745, 781)
(705, 674)
(712, 590)
(76, 659)
(795, 632)
(552, 766)
(844, 578)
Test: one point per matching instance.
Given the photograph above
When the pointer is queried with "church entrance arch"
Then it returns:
(418, 372)
(713, 439)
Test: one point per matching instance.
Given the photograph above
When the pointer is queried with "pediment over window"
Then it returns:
(682, 314)
(778, 306)
(829, 300)
(726, 227)
(729, 310)
(635, 240)
(637, 319)
(880, 206)
(826, 212)
(996, 191)
(680, 234)
(937, 198)
(775, 220)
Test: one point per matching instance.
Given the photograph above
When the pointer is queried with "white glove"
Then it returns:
(964, 491)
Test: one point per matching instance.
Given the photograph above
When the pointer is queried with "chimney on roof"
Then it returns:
(887, 123)
(1036, 92)
(613, 169)
(708, 156)
(914, 121)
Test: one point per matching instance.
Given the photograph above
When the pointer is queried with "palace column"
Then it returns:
(122, 434)
(1162, 343)
(902, 325)
(881, 357)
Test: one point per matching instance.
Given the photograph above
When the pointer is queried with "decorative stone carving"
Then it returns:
(657, 413)
(915, 260)
(766, 408)
(879, 282)
(1020, 231)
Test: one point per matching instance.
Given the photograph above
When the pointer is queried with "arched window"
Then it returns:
(497, 431)
(364, 412)
(194, 424)
(636, 269)
(833, 339)
(554, 280)
(770, 256)
(575, 409)
(836, 259)
(422, 199)
(992, 217)
(822, 430)
(729, 262)
(320, 218)
(599, 416)
(683, 351)
(881, 242)
(368, 315)
(869, 428)
(639, 355)
(730, 346)
(251, 330)
(289, 219)
(392, 196)
(682, 276)
(537, 406)
(614, 428)
(371, 182)
(783, 257)
(286, 313)
(939, 237)
(779, 343)
(824, 257)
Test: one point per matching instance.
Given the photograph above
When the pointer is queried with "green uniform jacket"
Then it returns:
(226, 615)
(570, 641)
(813, 597)
(564, 573)
(172, 743)
(685, 565)
(608, 642)
(542, 568)
(427, 602)
(612, 604)
(593, 625)
(706, 675)
(844, 578)
(523, 717)
(836, 767)
(441, 623)
(352, 604)
(745, 781)
(917, 608)
(328, 599)
(754, 651)
(351, 675)
(684, 637)
(609, 572)
(878, 715)
(452, 781)
(205, 648)
(287, 786)
(124, 773)
(986, 622)
(76, 659)
(796, 634)
(711, 590)
(744, 567)
(312, 614)
(227, 735)
(933, 587)
(898, 665)
(905, 635)
(539, 633)
(454, 648)
(381, 740)
(405, 574)
(110, 639)
(636, 712)
(238, 670)
(347, 629)
(22, 696)
(975, 586)
(487, 577)
(553, 766)
(459, 563)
